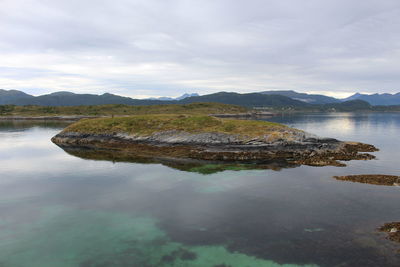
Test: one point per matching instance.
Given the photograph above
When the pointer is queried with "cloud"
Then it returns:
(153, 47)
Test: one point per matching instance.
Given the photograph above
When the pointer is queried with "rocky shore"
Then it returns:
(280, 143)
(375, 179)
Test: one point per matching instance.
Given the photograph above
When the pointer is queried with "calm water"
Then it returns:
(57, 209)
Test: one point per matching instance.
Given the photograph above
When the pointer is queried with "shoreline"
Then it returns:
(246, 115)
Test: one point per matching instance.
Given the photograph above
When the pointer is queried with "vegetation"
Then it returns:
(149, 124)
(119, 109)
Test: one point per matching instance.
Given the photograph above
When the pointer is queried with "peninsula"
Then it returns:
(205, 137)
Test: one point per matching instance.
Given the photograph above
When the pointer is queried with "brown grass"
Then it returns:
(149, 124)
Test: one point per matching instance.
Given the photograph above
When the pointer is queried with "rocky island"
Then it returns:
(203, 137)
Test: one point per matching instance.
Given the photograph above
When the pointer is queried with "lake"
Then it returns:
(57, 209)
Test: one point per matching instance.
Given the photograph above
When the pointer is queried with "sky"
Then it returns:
(148, 48)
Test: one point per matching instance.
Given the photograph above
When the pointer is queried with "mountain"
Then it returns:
(308, 98)
(7, 96)
(377, 99)
(248, 100)
(186, 95)
(264, 99)
(72, 99)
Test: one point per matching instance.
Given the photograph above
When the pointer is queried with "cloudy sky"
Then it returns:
(144, 48)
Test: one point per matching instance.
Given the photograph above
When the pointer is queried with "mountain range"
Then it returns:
(266, 99)
(377, 99)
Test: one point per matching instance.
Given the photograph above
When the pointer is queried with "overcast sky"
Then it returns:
(144, 48)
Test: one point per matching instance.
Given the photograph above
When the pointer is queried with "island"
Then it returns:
(205, 137)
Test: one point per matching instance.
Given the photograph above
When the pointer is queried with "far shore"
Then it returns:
(62, 118)
(78, 117)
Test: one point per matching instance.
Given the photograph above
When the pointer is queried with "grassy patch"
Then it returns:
(149, 124)
(118, 110)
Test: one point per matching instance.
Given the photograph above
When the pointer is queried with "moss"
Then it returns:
(149, 124)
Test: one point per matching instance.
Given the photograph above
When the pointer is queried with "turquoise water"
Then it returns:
(57, 209)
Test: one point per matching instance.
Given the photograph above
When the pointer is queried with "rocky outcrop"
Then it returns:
(375, 179)
(298, 148)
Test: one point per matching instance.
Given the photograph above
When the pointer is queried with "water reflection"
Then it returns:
(58, 209)
(189, 165)
(25, 125)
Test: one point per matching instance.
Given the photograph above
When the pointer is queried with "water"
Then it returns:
(57, 209)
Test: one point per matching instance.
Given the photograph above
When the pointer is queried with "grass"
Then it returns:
(119, 110)
(149, 124)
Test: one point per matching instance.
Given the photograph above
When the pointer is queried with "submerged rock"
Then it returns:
(392, 230)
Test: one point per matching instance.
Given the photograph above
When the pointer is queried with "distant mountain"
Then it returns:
(186, 96)
(248, 100)
(71, 99)
(265, 99)
(7, 96)
(308, 98)
(377, 99)
(171, 98)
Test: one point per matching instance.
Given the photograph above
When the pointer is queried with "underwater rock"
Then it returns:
(393, 231)
(180, 253)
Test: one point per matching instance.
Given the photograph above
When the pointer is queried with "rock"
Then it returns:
(375, 179)
(391, 229)
(223, 147)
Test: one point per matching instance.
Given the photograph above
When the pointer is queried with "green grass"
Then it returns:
(119, 110)
(149, 124)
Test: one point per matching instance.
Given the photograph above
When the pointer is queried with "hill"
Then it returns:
(274, 100)
(11, 96)
(248, 100)
(71, 99)
(377, 99)
(308, 98)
